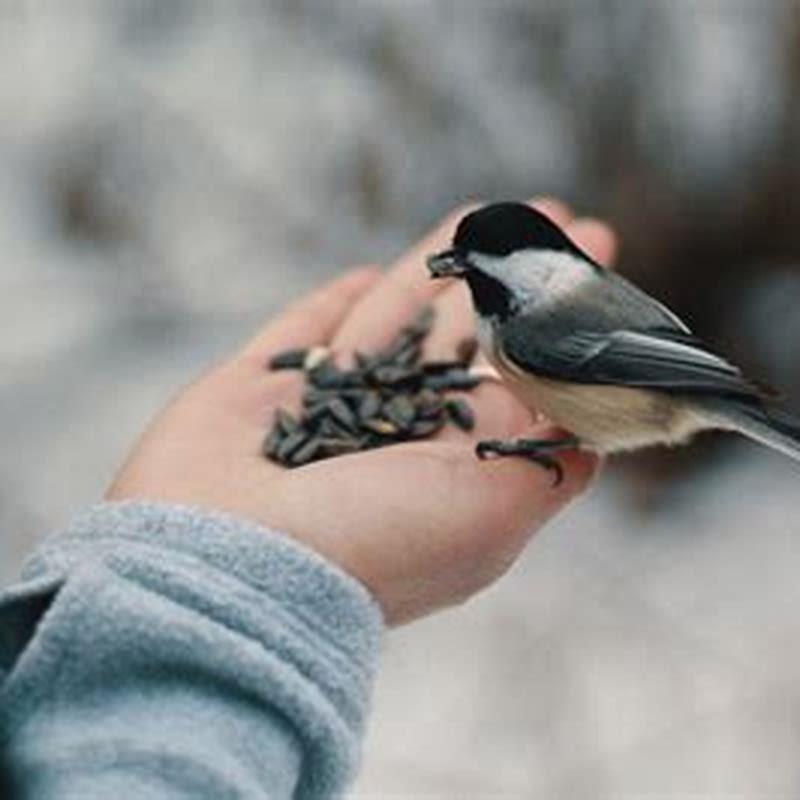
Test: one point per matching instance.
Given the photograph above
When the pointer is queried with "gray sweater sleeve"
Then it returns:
(163, 652)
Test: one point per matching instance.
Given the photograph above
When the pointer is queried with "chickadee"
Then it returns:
(591, 351)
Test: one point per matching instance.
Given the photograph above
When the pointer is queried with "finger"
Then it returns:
(313, 319)
(394, 300)
(596, 237)
(454, 322)
(556, 210)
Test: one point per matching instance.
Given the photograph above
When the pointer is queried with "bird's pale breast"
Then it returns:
(605, 418)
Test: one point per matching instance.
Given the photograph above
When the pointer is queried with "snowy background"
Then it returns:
(172, 172)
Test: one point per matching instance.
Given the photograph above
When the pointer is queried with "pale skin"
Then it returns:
(422, 525)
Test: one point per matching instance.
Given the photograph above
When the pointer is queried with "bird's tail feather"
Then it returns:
(771, 427)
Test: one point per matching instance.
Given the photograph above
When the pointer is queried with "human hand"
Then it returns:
(422, 524)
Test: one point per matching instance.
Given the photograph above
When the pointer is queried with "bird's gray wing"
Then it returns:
(665, 359)
(614, 298)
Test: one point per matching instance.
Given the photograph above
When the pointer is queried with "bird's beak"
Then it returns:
(448, 264)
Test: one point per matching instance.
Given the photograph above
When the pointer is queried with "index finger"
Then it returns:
(313, 319)
(394, 300)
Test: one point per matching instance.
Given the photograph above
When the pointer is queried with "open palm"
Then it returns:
(421, 524)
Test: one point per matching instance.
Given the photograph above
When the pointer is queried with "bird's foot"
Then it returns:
(537, 450)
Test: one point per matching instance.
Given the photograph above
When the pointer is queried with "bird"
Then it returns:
(600, 358)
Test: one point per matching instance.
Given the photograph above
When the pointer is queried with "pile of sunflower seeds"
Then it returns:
(388, 397)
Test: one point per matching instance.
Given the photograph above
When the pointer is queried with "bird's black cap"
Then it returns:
(503, 228)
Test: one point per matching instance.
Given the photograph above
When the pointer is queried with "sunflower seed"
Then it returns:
(270, 446)
(461, 414)
(305, 454)
(289, 359)
(316, 413)
(363, 361)
(285, 422)
(429, 404)
(456, 379)
(409, 355)
(382, 426)
(427, 427)
(327, 376)
(426, 397)
(330, 428)
(338, 447)
(290, 444)
(314, 396)
(391, 396)
(400, 411)
(441, 367)
(397, 376)
(353, 396)
(315, 357)
(370, 405)
(340, 411)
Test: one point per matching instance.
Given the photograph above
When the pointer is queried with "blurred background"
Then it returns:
(171, 173)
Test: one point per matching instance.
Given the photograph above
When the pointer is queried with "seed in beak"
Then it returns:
(449, 264)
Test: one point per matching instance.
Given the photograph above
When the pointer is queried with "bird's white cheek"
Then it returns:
(484, 332)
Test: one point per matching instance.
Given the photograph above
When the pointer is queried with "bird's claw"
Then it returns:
(536, 450)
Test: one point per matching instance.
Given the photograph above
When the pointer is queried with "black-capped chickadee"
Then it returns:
(593, 353)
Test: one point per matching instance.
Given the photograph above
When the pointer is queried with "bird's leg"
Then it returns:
(538, 450)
